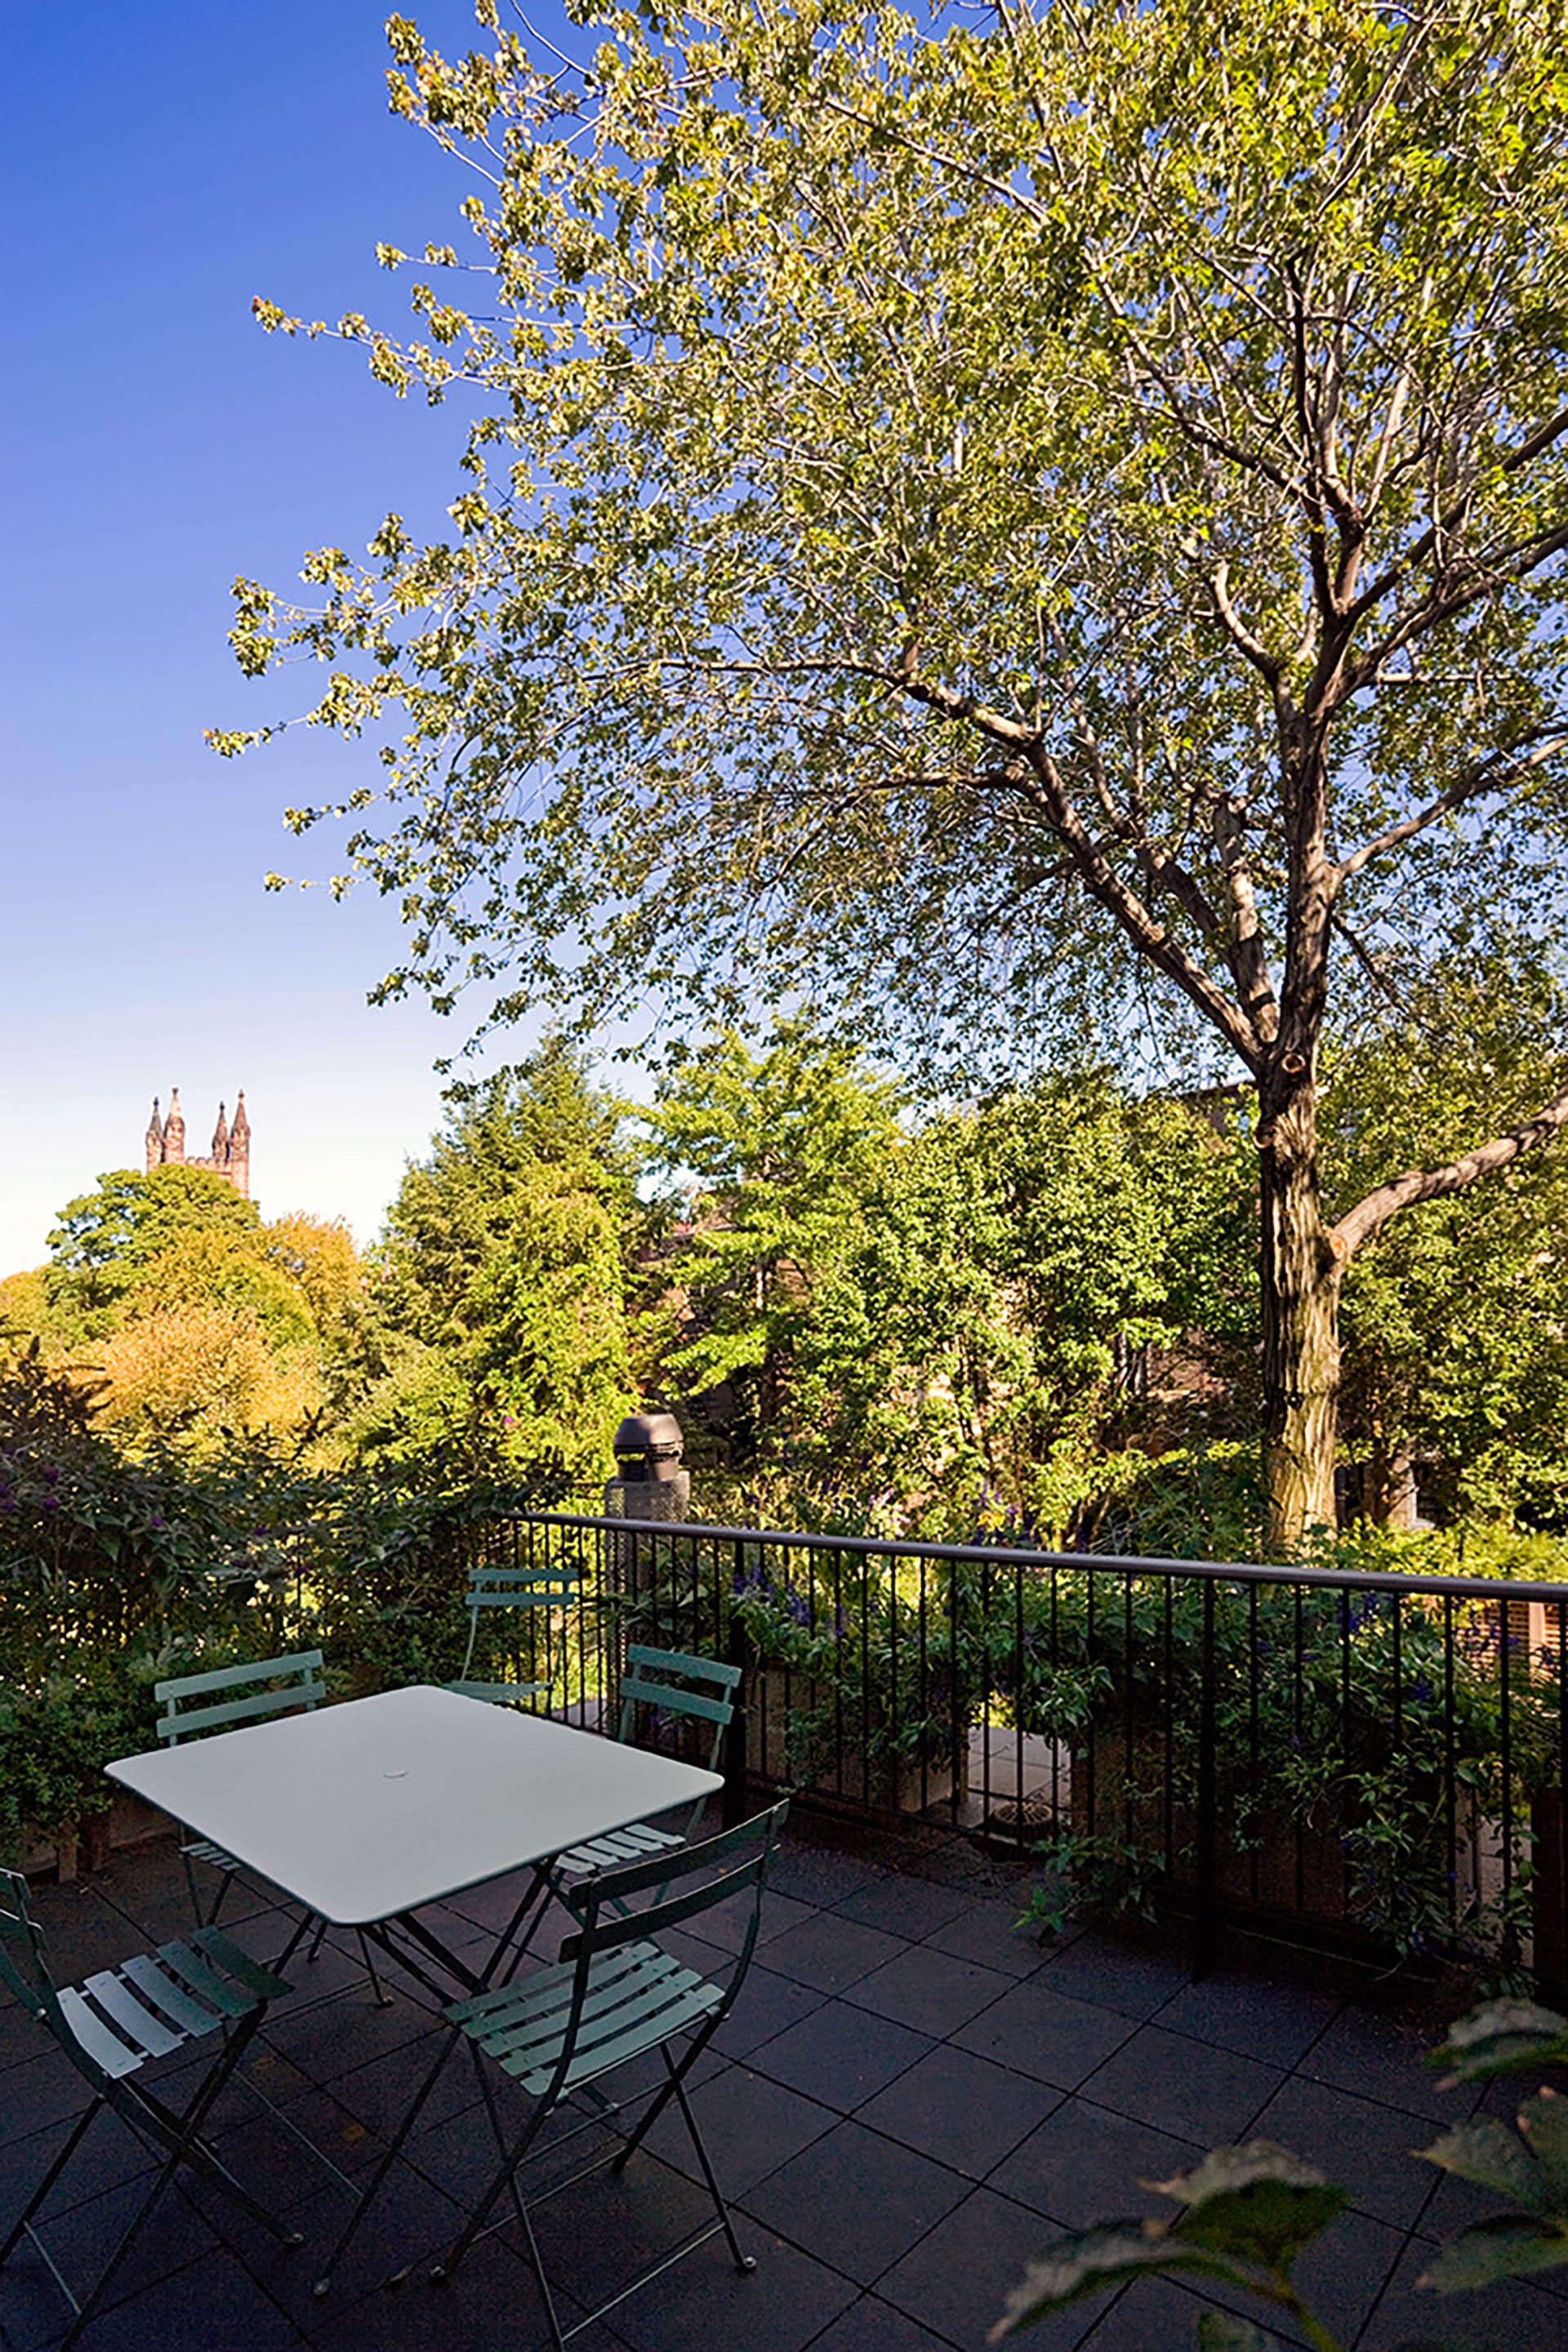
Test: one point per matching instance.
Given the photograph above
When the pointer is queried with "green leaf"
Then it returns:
(1486, 2152)
(1501, 2249)
(1255, 2203)
(1087, 2261)
(1223, 2331)
(1544, 2123)
(1501, 2038)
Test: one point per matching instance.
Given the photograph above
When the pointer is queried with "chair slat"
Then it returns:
(104, 2048)
(629, 2007)
(172, 1726)
(119, 2004)
(303, 1663)
(671, 1701)
(261, 1983)
(169, 1996)
(678, 1662)
(203, 1981)
(677, 2017)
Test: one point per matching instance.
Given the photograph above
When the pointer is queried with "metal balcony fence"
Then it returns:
(1372, 1761)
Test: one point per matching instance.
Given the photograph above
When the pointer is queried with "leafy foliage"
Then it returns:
(1038, 524)
(501, 1281)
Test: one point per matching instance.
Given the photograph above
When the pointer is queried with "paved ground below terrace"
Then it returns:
(909, 2099)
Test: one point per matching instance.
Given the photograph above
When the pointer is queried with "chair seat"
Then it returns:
(155, 2002)
(215, 1858)
(638, 1997)
(633, 1844)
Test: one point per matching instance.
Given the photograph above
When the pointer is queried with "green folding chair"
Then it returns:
(659, 1684)
(221, 1700)
(112, 2026)
(614, 1995)
(521, 1594)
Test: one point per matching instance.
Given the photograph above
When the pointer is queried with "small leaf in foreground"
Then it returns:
(1225, 2331)
(1256, 2203)
(1508, 2247)
(1089, 2261)
(1500, 2038)
(1487, 2153)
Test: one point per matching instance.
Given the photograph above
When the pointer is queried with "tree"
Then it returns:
(199, 1317)
(107, 1238)
(786, 1147)
(1063, 505)
(1456, 1323)
(502, 1273)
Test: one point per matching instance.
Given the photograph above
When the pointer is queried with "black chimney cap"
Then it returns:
(655, 1435)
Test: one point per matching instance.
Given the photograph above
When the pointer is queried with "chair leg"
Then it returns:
(394, 2150)
(49, 2178)
(743, 2262)
(383, 1998)
(474, 2227)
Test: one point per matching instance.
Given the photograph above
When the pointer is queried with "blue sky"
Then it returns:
(158, 172)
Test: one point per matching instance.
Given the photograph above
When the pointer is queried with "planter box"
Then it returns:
(792, 1740)
(88, 1844)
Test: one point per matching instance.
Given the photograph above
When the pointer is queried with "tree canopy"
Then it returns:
(1042, 519)
(501, 1279)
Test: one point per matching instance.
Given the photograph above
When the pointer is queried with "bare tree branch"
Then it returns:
(1498, 770)
(1433, 1183)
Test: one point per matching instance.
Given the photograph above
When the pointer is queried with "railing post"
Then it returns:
(1204, 1931)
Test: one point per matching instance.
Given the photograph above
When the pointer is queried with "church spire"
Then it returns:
(154, 1138)
(220, 1138)
(175, 1129)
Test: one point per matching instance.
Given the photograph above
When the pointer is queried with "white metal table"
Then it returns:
(367, 1812)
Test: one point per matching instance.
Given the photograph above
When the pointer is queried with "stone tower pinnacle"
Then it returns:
(231, 1145)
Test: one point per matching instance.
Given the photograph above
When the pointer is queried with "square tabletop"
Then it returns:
(372, 1808)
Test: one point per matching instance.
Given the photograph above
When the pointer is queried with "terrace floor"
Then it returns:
(912, 2097)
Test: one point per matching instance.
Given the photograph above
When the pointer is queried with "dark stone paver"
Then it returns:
(771, 2005)
(1188, 2088)
(1377, 2059)
(1367, 2147)
(989, 1932)
(1086, 2165)
(934, 1992)
(830, 1954)
(1132, 1983)
(960, 2109)
(957, 2279)
(856, 2200)
(912, 2097)
(840, 2056)
(1037, 2031)
(911, 1908)
(1513, 2317)
(1277, 2024)
(872, 2326)
(751, 2127)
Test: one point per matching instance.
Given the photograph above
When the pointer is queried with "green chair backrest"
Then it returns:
(266, 1688)
(519, 1589)
(671, 1683)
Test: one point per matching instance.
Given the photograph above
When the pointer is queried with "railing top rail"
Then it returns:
(1352, 1580)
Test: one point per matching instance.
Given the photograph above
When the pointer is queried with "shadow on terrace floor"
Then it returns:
(911, 2098)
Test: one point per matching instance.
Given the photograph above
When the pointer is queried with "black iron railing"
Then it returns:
(1341, 1755)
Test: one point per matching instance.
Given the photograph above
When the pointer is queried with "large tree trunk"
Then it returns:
(1300, 1273)
(1389, 1490)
